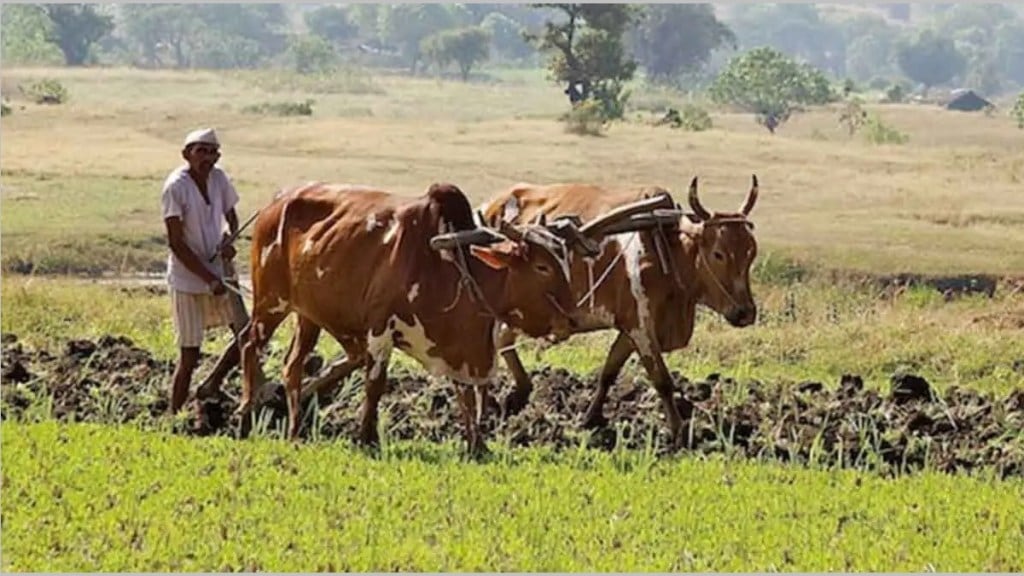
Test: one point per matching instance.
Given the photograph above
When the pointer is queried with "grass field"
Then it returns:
(87, 498)
(80, 198)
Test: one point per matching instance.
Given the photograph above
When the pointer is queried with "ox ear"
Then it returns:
(496, 259)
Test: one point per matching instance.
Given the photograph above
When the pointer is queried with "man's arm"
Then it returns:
(227, 249)
(230, 201)
(232, 217)
(176, 241)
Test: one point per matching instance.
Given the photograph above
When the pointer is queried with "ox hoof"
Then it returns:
(478, 451)
(515, 403)
(368, 439)
(594, 420)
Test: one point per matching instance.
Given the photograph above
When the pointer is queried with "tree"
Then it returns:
(76, 27)
(960, 17)
(158, 31)
(587, 52)
(464, 46)
(929, 59)
(406, 25)
(311, 54)
(1009, 50)
(331, 23)
(675, 39)
(26, 36)
(367, 19)
(771, 85)
(866, 58)
(794, 29)
(869, 47)
(506, 36)
(205, 35)
(983, 74)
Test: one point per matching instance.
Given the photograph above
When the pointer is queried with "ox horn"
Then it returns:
(748, 204)
(450, 240)
(511, 232)
(695, 204)
(602, 224)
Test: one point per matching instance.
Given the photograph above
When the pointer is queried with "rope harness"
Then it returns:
(466, 279)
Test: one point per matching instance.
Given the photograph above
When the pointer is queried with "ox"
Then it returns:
(645, 284)
(379, 271)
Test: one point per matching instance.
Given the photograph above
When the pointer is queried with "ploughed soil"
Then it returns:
(904, 426)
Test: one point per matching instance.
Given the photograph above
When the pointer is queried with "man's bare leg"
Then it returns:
(230, 357)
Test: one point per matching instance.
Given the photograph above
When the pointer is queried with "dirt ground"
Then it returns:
(906, 427)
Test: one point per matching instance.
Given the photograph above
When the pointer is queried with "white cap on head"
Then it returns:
(202, 135)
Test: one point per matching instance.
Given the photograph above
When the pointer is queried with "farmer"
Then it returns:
(198, 199)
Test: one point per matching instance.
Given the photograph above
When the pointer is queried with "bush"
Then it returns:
(896, 93)
(5, 109)
(304, 108)
(693, 118)
(585, 119)
(612, 97)
(878, 132)
(1018, 111)
(779, 270)
(853, 116)
(45, 91)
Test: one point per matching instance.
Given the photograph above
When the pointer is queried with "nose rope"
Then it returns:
(700, 254)
(556, 305)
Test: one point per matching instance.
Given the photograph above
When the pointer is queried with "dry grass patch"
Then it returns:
(946, 202)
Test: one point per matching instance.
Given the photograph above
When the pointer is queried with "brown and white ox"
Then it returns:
(644, 284)
(381, 272)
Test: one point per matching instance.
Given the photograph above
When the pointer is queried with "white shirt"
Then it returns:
(204, 224)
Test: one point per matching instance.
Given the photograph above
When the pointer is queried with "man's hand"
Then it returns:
(217, 287)
(227, 248)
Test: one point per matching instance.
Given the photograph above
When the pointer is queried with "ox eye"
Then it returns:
(543, 269)
(718, 256)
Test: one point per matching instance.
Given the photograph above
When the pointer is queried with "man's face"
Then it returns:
(201, 157)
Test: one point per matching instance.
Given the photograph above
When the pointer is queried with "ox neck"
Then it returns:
(492, 285)
(689, 267)
(482, 293)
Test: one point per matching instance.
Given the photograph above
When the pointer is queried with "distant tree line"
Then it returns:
(592, 51)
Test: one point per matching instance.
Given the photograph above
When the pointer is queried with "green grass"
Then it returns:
(91, 225)
(89, 498)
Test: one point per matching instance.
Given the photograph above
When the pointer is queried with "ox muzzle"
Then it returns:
(742, 316)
